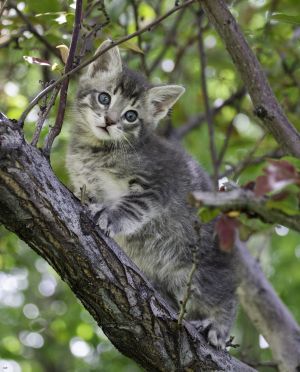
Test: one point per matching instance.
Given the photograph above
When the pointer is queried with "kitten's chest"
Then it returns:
(111, 187)
(104, 180)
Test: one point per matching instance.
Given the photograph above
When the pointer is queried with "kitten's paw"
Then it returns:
(214, 334)
(215, 338)
(103, 218)
(104, 222)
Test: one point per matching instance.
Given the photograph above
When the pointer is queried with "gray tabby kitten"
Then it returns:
(137, 184)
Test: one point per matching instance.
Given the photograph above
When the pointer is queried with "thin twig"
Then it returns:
(197, 120)
(228, 134)
(247, 159)
(170, 36)
(208, 113)
(149, 27)
(223, 150)
(54, 132)
(137, 27)
(33, 30)
(43, 117)
(181, 51)
(250, 160)
(188, 290)
(93, 30)
(3, 7)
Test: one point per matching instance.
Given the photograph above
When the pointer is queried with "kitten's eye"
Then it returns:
(104, 98)
(131, 116)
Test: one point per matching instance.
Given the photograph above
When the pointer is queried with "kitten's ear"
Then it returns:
(110, 61)
(162, 98)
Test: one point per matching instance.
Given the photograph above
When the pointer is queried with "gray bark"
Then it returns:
(268, 313)
(245, 201)
(48, 217)
(266, 106)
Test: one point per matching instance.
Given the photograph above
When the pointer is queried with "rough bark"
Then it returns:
(266, 106)
(47, 216)
(246, 202)
(268, 313)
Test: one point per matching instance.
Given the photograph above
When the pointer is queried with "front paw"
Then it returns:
(215, 334)
(104, 217)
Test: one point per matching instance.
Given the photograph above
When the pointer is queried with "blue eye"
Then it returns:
(131, 116)
(104, 98)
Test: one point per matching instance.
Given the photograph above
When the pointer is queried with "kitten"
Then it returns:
(137, 184)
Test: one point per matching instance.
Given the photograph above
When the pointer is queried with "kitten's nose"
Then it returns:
(109, 121)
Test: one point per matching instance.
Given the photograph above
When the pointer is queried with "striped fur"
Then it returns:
(138, 184)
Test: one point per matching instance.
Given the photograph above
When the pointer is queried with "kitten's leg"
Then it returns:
(126, 216)
(209, 310)
(216, 326)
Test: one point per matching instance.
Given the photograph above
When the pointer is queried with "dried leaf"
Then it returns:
(277, 175)
(36, 60)
(64, 52)
(262, 186)
(132, 46)
(226, 229)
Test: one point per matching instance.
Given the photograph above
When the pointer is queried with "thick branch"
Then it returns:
(46, 215)
(268, 313)
(266, 107)
(245, 201)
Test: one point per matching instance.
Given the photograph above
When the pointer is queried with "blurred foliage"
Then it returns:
(42, 326)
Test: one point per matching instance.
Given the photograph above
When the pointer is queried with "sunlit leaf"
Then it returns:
(208, 214)
(287, 18)
(64, 52)
(131, 46)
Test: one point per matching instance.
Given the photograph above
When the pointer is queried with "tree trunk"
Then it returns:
(48, 217)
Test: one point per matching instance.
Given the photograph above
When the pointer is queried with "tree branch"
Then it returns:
(54, 132)
(33, 30)
(245, 201)
(2, 7)
(168, 41)
(47, 216)
(195, 121)
(137, 26)
(268, 313)
(208, 111)
(266, 106)
(148, 27)
(235, 170)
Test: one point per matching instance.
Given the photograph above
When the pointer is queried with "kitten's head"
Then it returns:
(115, 103)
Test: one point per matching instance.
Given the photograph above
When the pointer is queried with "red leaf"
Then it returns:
(277, 175)
(249, 185)
(262, 186)
(226, 229)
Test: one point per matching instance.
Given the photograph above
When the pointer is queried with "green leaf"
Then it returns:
(289, 204)
(292, 160)
(286, 18)
(208, 214)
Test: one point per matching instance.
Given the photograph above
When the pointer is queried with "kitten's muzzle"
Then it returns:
(109, 121)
